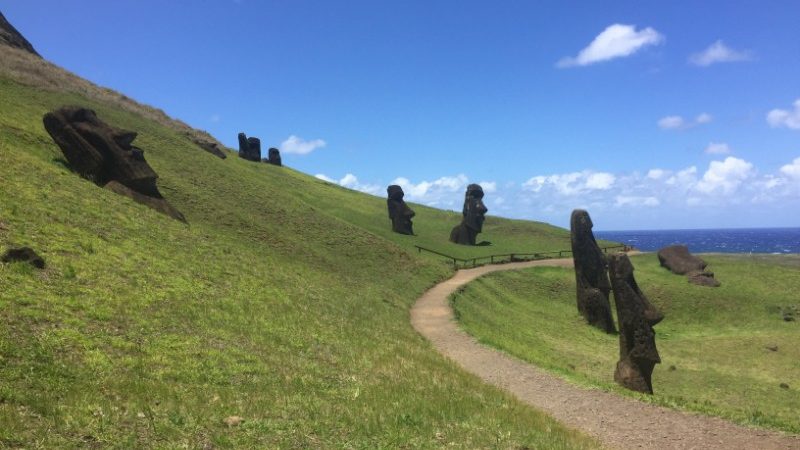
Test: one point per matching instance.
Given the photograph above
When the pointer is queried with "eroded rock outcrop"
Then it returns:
(105, 155)
(13, 38)
(678, 260)
(591, 278)
(23, 254)
(249, 148)
(474, 213)
(274, 157)
(399, 211)
(638, 354)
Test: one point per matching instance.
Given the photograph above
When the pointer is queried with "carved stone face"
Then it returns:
(474, 209)
(580, 222)
(399, 211)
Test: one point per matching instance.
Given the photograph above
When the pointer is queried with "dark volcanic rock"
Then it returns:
(249, 148)
(678, 260)
(399, 212)
(274, 157)
(11, 37)
(104, 154)
(702, 278)
(474, 213)
(23, 254)
(210, 147)
(638, 354)
(591, 278)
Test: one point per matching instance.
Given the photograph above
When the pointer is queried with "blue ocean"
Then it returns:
(741, 240)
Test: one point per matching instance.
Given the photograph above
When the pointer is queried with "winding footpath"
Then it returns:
(617, 422)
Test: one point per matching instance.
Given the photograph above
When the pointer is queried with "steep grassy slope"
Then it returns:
(714, 342)
(285, 301)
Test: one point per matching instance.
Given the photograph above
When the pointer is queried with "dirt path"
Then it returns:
(618, 422)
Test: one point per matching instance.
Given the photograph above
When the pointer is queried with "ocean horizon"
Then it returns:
(711, 240)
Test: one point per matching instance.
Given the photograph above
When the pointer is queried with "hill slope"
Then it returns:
(284, 301)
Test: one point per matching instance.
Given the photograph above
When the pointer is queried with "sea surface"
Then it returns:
(734, 240)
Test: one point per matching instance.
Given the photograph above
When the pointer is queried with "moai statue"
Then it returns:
(637, 339)
(249, 148)
(274, 157)
(399, 212)
(106, 156)
(474, 213)
(591, 278)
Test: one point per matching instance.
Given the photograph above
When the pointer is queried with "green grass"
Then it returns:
(712, 341)
(284, 301)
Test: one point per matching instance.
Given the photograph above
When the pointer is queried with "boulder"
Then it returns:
(637, 339)
(249, 148)
(23, 254)
(399, 212)
(104, 154)
(678, 260)
(591, 278)
(474, 213)
(11, 37)
(210, 147)
(702, 278)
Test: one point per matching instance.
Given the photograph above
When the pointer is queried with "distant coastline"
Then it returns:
(726, 240)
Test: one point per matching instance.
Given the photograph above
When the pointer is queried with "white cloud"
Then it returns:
(655, 174)
(350, 181)
(622, 200)
(725, 176)
(299, 146)
(444, 192)
(615, 41)
(679, 123)
(489, 187)
(792, 170)
(785, 118)
(683, 178)
(719, 52)
(721, 148)
(573, 183)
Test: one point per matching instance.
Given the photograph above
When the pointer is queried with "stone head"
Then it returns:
(474, 209)
(580, 222)
(395, 192)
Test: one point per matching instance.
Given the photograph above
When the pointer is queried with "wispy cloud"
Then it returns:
(718, 52)
(792, 170)
(718, 148)
(785, 118)
(616, 41)
(679, 123)
(299, 146)
(350, 181)
(573, 183)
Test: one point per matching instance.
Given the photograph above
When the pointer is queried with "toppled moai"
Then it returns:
(638, 354)
(105, 155)
(591, 277)
(274, 157)
(209, 146)
(399, 211)
(23, 254)
(474, 213)
(249, 148)
(678, 260)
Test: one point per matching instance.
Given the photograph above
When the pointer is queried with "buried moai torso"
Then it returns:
(274, 157)
(591, 278)
(638, 354)
(474, 213)
(249, 148)
(399, 212)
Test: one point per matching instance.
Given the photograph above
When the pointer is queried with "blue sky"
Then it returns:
(649, 114)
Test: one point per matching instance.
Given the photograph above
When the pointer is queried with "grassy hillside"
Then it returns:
(284, 301)
(713, 341)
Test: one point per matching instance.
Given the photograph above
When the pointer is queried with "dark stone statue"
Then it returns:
(678, 260)
(211, 147)
(249, 148)
(591, 278)
(399, 212)
(23, 254)
(474, 213)
(105, 155)
(13, 38)
(637, 339)
(274, 157)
